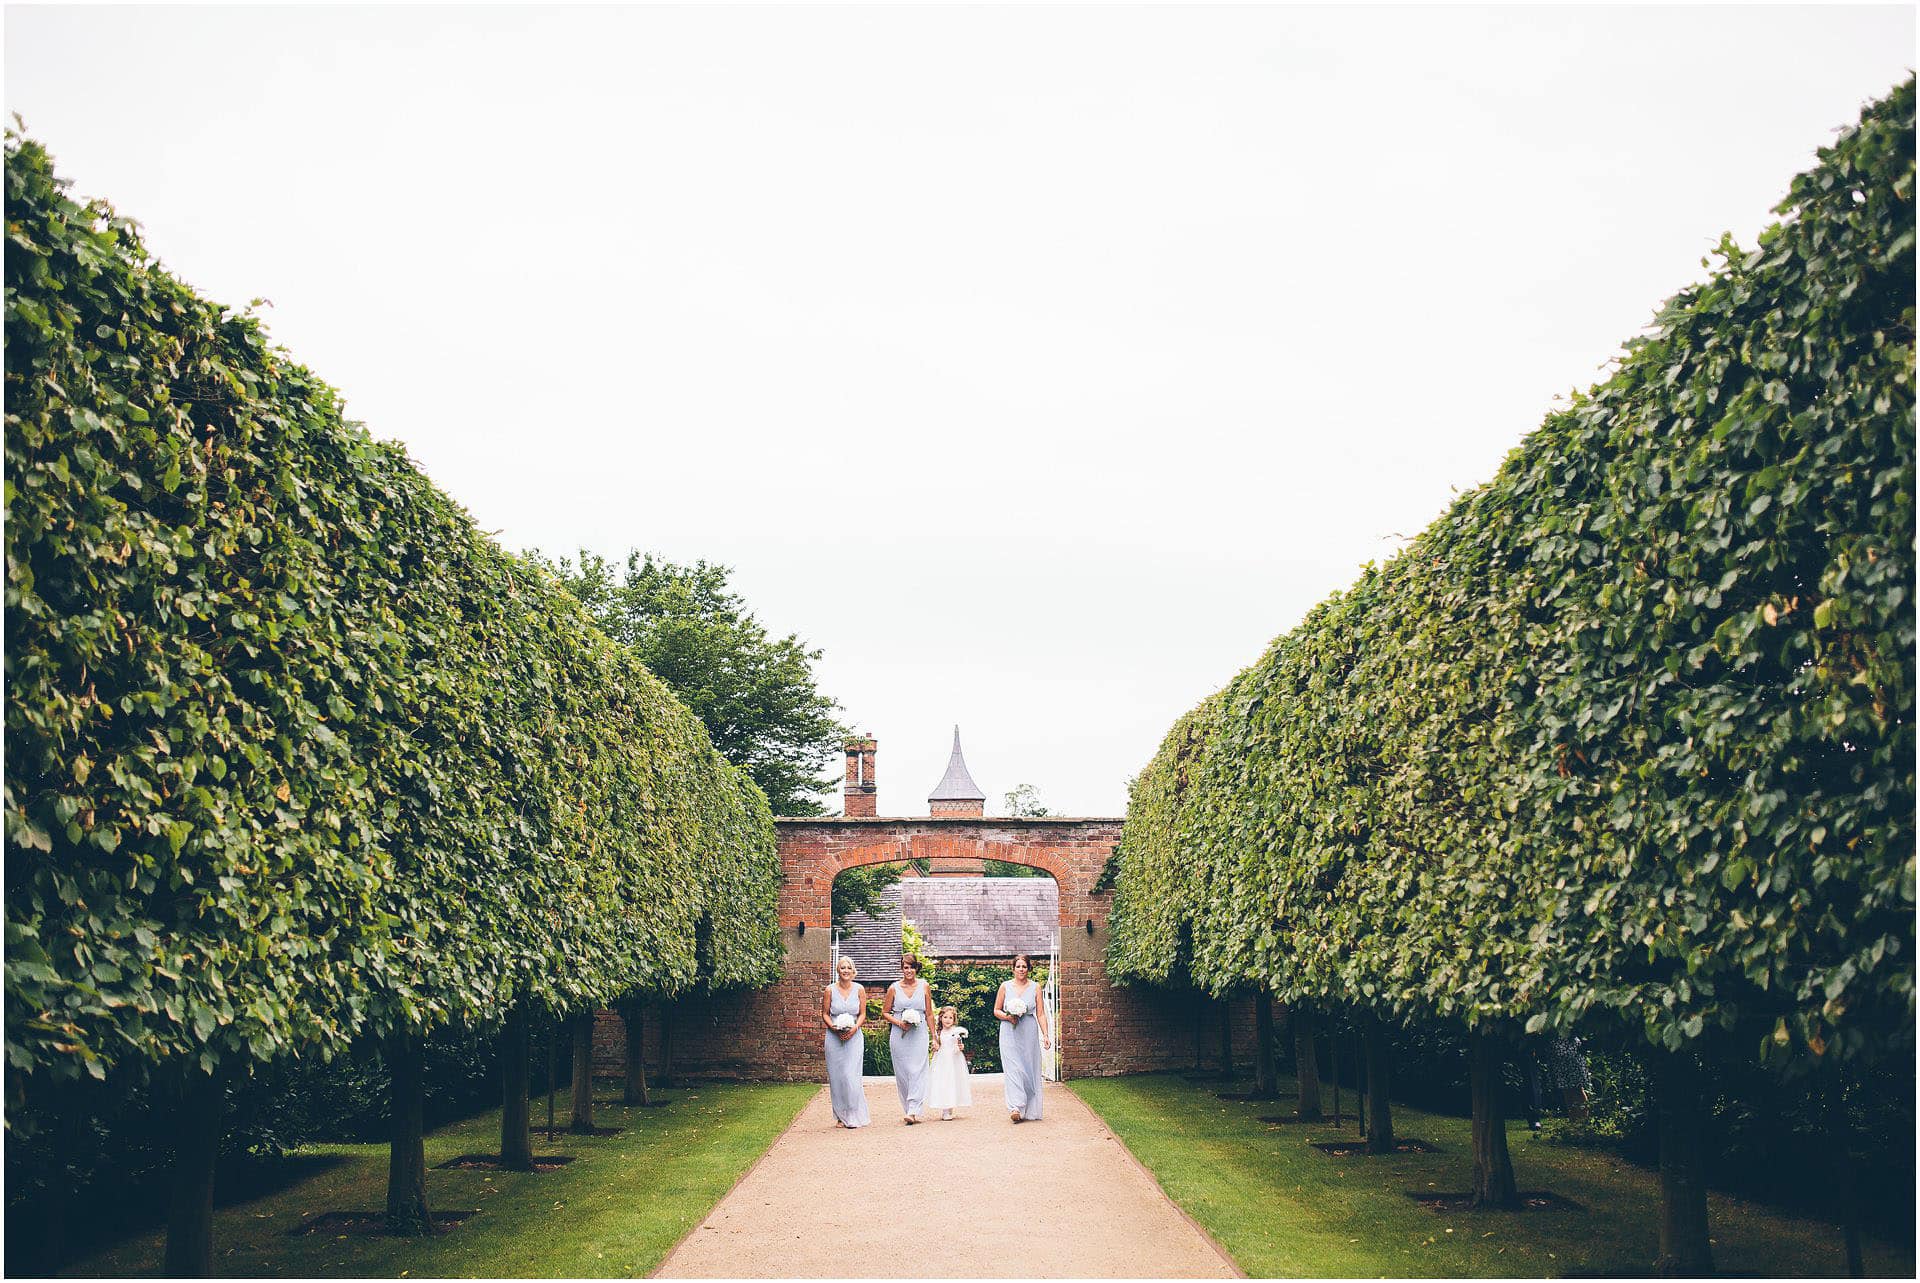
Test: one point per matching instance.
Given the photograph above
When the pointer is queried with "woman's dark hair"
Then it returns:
(1019, 958)
(908, 960)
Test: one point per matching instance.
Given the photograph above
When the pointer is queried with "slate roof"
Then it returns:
(874, 943)
(983, 917)
(956, 785)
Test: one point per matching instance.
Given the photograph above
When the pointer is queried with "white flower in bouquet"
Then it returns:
(959, 1031)
(845, 1020)
(1016, 1007)
(910, 1018)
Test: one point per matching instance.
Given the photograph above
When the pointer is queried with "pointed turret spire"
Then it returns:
(956, 793)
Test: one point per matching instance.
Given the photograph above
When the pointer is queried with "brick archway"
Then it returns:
(774, 1033)
(1072, 851)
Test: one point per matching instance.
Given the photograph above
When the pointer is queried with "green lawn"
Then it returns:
(615, 1210)
(1282, 1208)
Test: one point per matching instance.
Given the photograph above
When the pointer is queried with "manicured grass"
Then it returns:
(614, 1211)
(1282, 1208)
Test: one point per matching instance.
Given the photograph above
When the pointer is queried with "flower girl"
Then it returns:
(947, 1084)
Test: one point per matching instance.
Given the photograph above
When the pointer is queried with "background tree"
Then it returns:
(858, 890)
(755, 692)
(1022, 802)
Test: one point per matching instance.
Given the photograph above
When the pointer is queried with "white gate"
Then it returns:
(1050, 1061)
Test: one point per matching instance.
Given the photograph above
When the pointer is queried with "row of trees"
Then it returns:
(295, 755)
(1623, 742)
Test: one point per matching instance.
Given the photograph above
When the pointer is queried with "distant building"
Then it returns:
(956, 796)
(874, 942)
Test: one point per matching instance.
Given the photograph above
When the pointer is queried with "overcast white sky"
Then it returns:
(1038, 364)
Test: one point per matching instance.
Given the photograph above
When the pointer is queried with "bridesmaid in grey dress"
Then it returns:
(1023, 1033)
(846, 1048)
(908, 1040)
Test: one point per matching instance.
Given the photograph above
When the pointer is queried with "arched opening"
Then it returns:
(965, 916)
(774, 1032)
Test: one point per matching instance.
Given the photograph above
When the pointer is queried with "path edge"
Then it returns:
(754, 1166)
(1146, 1171)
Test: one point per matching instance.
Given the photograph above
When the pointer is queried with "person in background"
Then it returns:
(1021, 1008)
(843, 1010)
(908, 1007)
(948, 1086)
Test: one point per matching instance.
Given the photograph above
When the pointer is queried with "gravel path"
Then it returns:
(1060, 1198)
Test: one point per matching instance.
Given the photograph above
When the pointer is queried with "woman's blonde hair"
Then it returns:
(846, 960)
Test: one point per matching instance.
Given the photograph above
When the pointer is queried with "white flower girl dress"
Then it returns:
(947, 1083)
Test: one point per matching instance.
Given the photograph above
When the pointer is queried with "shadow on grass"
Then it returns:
(139, 1210)
(243, 1182)
(1531, 1200)
(1351, 1148)
(361, 1224)
(491, 1163)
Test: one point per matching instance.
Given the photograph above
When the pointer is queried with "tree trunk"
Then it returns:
(1379, 1111)
(41, 1249)
(634, 1087)
(1333, 1069)
(1306, 1065)
(666, 1045)
(1359, 1059)
(1840, 1135)
(196, 1146)
(1199, 1033)
(516, 1072)
(407, 1210)
(553, 1073)
(1685, 1250)
(1226, 1035)
(1265, 1079)
(582, 1073)
(1492, 1165)
(1534, 1104)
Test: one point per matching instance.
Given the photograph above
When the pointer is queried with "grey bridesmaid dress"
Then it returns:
(1020, 1054)
(845, 1068)
(910, 1050)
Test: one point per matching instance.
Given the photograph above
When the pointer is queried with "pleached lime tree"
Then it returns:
(1623, 742)
(296, 756)
(198, 855)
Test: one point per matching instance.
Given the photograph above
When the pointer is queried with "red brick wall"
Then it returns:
(775, 1033)
(949, 810)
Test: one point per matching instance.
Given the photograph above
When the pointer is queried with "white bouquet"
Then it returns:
(910, 1018)
(1016, 1007)
(959, 1031)
(845, 1020)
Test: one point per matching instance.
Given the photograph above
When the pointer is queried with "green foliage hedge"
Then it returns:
(1624, 739)
(294, 753)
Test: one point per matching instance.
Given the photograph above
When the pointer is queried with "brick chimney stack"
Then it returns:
(861, 797)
